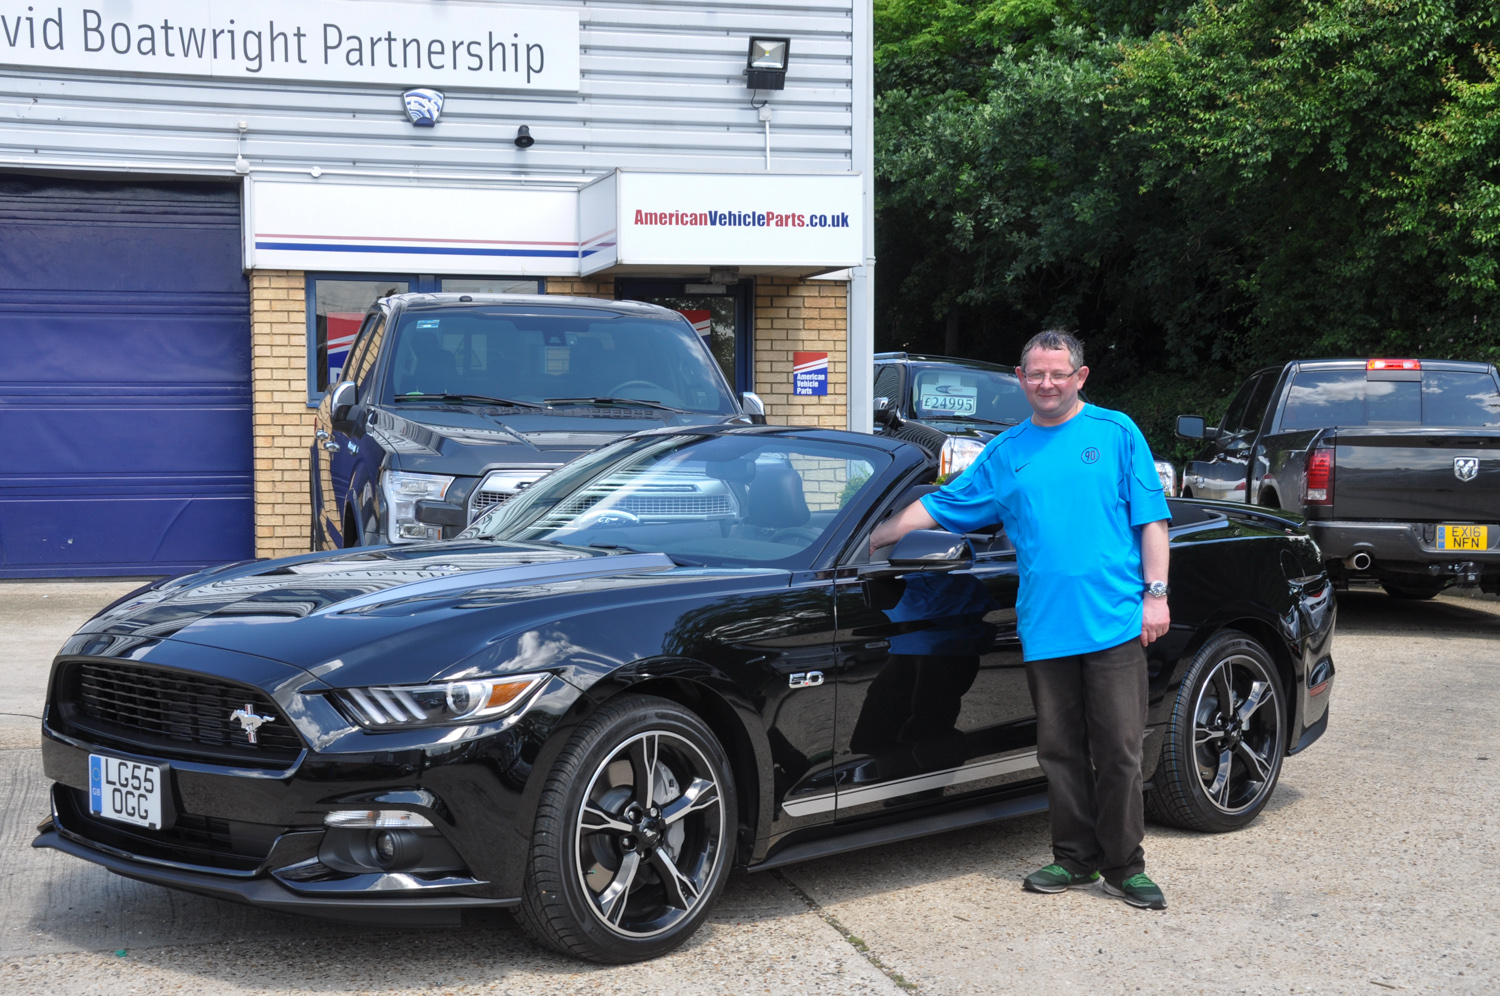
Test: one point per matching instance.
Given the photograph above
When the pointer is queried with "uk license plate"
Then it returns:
(1463, 537)
(127, 791)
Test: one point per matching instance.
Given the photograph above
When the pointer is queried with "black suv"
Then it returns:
(451, 404)
(968, 401)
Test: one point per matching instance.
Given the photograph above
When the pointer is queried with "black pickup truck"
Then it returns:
(1394, 463)
(451, 404)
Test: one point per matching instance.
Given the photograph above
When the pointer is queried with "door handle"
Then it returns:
(320, 435)
(331, 445)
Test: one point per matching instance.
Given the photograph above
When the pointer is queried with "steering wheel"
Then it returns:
(607, 518)
(796, 532)
(614, 392)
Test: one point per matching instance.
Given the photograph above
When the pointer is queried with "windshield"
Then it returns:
(715, 500)
(967, 394)
(492, 352)
(1321, 398)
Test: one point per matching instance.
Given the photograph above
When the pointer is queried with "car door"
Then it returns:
(330, 477)
(1221, 466)
(888, 386)
(932, 694)
(349, 435)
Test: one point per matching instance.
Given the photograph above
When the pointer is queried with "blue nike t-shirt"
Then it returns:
(1073, 499)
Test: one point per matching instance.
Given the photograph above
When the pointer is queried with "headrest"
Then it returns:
(775, 499)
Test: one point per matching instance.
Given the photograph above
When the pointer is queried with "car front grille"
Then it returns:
(483, 501)
(683, 505)
(222, 845)
(178, 711)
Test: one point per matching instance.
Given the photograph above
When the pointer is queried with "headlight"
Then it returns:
(399, 707)
(402, 492)
(1168, 475)
(958, 452)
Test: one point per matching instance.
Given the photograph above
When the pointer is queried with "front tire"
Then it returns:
(634, 834)
(1221, 756)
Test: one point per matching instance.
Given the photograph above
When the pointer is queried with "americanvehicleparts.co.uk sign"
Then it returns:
(490, 45)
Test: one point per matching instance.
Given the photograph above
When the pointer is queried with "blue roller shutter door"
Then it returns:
(125, 431)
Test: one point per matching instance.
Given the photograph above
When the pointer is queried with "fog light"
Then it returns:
(395, 850)
(371, 818)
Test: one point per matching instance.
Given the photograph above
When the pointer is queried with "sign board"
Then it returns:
(494, 46)
(736, 219)
(809, 373)
(386, 228)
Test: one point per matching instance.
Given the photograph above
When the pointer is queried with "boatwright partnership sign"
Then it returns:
(491, 45)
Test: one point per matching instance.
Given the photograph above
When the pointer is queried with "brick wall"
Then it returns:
(283, 424)
(586, 287)
(792, 314)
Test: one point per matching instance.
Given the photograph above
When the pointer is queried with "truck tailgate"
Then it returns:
(1416, 475)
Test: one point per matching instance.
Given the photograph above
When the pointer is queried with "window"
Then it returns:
(714, 499)
(337, 303)
(968, 394)
(1255, 411)
(497, 351)
(888, 383)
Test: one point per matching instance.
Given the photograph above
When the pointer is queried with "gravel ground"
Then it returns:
(1371, 871)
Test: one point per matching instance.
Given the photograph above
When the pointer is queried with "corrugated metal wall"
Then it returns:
(662, 87)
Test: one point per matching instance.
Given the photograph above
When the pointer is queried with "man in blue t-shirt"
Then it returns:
(1078, 493)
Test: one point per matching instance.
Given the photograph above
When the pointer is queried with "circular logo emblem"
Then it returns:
(1090, 455)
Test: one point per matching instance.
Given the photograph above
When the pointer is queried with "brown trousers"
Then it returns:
(1090, 724)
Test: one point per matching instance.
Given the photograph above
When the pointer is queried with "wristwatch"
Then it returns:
(1157, 589)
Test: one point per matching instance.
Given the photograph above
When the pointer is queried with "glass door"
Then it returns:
(720, 313)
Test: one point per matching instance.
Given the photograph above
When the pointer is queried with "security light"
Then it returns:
(765, 68)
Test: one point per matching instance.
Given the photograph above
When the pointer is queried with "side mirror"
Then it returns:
(933, 550)
(1195, 427)
(885, 412)
(345, 397)
(751, 404)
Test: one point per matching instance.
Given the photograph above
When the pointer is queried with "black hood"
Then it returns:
(469, 440)
(379, 614)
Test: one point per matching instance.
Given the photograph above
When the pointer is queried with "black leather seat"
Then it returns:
(775, 499)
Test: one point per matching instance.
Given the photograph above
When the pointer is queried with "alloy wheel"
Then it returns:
(1237, 734)
(650, 834)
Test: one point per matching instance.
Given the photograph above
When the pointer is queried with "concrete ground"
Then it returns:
(1373, 869)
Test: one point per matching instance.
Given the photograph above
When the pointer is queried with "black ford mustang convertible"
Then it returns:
(671, 657)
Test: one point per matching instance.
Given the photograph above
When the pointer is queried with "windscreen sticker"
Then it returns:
(429, 323)
(950, 398)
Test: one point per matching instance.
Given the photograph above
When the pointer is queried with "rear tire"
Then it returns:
(1411, 592)
(634, 834)
(1220, 765)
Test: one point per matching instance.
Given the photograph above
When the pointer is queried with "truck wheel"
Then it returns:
(634, 834)
(1413, 592)
(1221, 755)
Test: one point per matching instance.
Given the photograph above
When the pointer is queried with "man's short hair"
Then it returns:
(1055, 339)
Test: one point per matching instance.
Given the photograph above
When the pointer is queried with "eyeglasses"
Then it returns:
(1037, 379)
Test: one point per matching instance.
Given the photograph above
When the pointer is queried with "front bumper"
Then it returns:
(255, 834)
(268, 892)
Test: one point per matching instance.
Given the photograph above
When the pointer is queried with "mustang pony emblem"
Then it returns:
(249, 721)
(1465, 468)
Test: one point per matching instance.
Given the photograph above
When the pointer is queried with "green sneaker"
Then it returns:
(1137, 890)
(1056, 878)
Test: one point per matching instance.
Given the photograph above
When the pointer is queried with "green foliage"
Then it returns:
(852, 486)
(1208, 187)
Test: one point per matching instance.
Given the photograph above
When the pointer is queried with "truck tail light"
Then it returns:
(1393, 364)
(1317, 481)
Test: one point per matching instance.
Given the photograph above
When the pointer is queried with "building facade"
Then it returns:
(198, 200)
